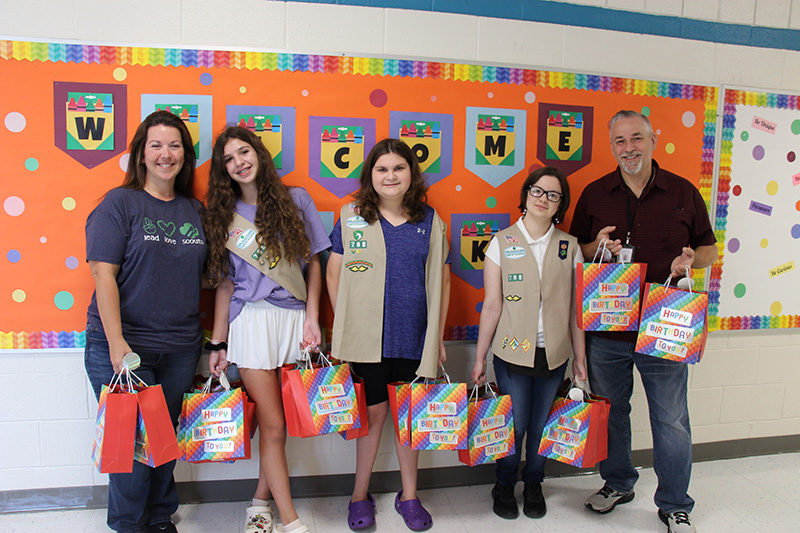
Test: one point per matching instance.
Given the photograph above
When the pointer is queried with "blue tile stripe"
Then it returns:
(600, 18)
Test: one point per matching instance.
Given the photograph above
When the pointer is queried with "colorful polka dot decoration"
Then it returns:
(732, 98)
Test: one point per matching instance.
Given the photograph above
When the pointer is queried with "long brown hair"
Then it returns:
(136, 174)
(367, 199)
(277, 217)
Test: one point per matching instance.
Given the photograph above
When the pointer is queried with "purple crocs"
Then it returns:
(361, 514)
(413, 513)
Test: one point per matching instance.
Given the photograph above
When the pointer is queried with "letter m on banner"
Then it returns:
(495, 143)
(90, 120)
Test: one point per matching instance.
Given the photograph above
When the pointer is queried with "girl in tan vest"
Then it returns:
(529, 321)
(264, 240)
(389, 284)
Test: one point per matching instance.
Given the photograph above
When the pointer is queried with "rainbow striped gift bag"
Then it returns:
(438, 413)
(576, 432)
(323, 399)
(213, 426)
(674, 323)
(490, 422)
(608, 296)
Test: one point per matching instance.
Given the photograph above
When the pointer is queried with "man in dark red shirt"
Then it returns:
(660, 219)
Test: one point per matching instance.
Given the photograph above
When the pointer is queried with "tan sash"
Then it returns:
(242, 241)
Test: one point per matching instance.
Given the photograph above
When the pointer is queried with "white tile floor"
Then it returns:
(756, 494)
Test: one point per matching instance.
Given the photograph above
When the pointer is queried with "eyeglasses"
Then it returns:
(552, 196)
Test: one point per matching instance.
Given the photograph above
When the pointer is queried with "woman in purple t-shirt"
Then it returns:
(264, 242)
(146, 250)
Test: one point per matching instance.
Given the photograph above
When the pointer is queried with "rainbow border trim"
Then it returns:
(733, 97)
(365, 66)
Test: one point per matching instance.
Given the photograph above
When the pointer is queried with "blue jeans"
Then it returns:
(147, 495)
(531, 399)
(665, 382)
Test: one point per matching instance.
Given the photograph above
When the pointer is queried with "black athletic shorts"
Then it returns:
(377, 376)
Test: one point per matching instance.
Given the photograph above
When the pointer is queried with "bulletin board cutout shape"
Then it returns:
(753, 285)
(276, 128)
(194, 110)
(470, 234)
(495, 143)
(565, 136)
(90, 120)
(430, 136)
(337, 147)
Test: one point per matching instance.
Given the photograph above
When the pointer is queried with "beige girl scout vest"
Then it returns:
(358, 319)
(286, 273)
(515, 337)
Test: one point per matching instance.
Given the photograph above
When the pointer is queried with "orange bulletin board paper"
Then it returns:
(480, 130)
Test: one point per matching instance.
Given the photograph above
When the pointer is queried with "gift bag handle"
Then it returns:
(688, 275)
(426, 380)
(601, 246)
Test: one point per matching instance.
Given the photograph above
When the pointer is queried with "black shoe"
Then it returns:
(505, 504)
(163, 527)
(533, 501)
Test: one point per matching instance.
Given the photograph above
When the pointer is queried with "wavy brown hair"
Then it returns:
(136, 174)
(414, 200)
(277, 217)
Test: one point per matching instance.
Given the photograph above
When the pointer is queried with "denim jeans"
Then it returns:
(665, 382)
(531, 398)
(147, 495)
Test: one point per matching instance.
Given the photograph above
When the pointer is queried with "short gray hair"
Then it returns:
(627, 113)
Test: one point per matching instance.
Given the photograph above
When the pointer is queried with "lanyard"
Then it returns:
(631, 215)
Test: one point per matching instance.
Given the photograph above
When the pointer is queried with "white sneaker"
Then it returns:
(604, 500)
(258, 520)
(299, 528)
(677, 521)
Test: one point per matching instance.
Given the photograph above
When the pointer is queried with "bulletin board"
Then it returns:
(756, 282)
(477, 129)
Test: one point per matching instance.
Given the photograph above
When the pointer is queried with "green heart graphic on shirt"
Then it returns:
(167, 227)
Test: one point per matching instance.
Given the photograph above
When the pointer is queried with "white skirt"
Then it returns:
(264, 336)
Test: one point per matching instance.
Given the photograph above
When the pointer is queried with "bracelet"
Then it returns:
(219, 345)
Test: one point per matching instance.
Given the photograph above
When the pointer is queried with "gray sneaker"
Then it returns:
(604, 500)
(677, 521)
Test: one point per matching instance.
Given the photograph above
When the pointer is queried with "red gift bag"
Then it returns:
(115, 433)
(399, 402)
(576, 432)
(361, 397)
(320, 398)
(156, 443)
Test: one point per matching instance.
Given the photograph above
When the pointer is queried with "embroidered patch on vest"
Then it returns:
(245, 239)
(514, 344)
(356, 222)
(358, 266)
(511, 239)
(526, 345)
(513, 298)
(515, 277)
(514, 252)
(562, 249)
(505, 341)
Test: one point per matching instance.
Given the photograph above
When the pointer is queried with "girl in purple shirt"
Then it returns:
(262, 320)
